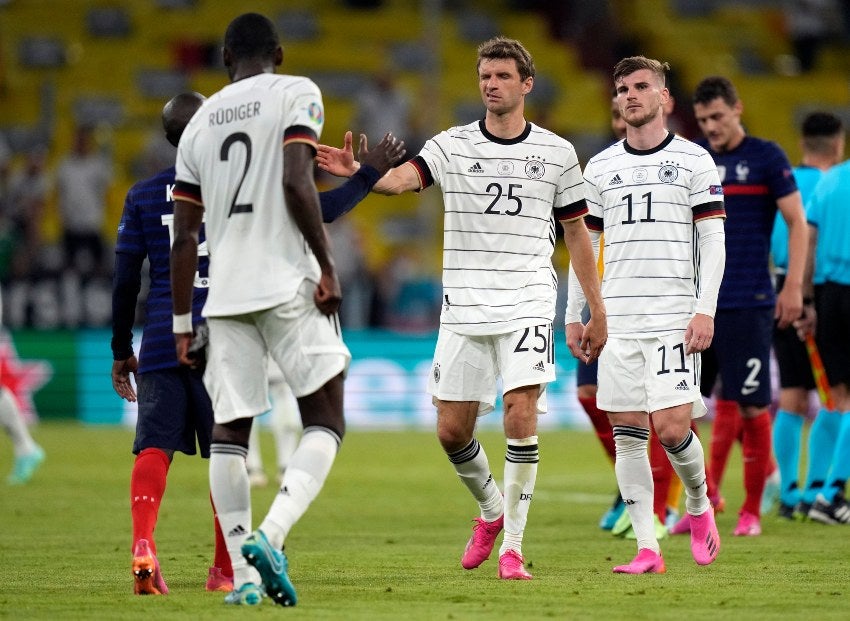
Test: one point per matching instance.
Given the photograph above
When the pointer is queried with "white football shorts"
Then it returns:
(647, 375)
(466, 368)
(305, 344)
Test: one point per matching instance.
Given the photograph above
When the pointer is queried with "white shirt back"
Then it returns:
(233, 150)
(499, 197)
(648, 202)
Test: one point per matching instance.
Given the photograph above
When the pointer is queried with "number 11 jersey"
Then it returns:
(647, 203)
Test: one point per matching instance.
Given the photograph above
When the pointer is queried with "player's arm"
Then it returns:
(583, 272)
(789, 302)
(188, 216)
(341, 163)
(576, 301)
(374, 164)
(126, 284)
(712, 262)
(302, 200)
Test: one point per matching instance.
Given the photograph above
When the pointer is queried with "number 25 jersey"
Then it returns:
(230, 160)
(501, 198)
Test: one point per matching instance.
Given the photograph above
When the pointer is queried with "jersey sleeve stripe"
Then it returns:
(714, 209)
(188, 192)
(300, 133)
(594, 223)
(571, 212)
(422, 171)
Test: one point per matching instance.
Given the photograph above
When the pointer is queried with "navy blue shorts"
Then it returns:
(174, 411)
(740, 356)
(586, 373)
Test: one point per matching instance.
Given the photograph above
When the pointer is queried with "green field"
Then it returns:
(383, 541)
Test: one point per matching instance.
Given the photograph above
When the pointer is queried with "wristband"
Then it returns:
(182, 323)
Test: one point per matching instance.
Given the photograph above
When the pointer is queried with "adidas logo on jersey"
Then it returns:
(539, 367)
(616, 180)
(683, 385)
(475, 168)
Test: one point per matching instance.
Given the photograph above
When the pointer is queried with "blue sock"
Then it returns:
(787, 430)
(840, 461)
(822, 438)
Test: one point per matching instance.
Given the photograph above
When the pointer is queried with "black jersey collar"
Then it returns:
(498, 140)
(664, 143)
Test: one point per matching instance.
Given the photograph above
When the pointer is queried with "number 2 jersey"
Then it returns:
(647, 202)
(501, 198)
(230, 160)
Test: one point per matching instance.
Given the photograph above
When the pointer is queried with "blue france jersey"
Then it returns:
(806, 178)
(147, 229)
(754, 176)
(827, 210)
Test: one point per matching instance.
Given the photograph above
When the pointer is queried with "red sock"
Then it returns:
(724, 432)
(221, 558)
(147, 486)
(601, 425)
(662, 474)
(756, 449)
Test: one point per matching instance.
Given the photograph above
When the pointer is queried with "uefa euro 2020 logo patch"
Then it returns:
(314, 111)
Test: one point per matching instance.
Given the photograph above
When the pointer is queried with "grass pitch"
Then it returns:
(384, 539)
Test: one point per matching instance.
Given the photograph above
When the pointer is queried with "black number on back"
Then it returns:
(225, 151)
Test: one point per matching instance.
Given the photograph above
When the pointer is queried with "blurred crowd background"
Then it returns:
(83, 82)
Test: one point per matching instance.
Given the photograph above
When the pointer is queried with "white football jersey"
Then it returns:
(501, 198)
(647, 203)
(230, 160)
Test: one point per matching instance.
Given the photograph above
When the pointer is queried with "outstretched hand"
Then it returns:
(384, 156)
(339, 162)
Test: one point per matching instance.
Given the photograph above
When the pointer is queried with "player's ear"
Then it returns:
(278, 56)
(527, 85)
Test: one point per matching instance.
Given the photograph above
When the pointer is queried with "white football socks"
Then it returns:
(521, 461)
(473, 469)
(634, 476)
(302, 481)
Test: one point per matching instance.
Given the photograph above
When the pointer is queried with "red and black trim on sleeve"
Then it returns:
(300, 133)
(571, 212)
(422, 171)
(714, 209)
(594, 223)
(189, 192)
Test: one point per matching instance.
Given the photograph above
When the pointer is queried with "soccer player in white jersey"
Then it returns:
(504, 182)
(658, 199)
(246, 160)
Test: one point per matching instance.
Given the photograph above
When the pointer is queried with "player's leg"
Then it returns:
(164, 425)
(308, 348)
(463, 386)
(674, 400)
(834, 344)
(521, 461)
(525, 361)
(254, 460)
(743, 355)
(285, 421)
(28, 454)
(622, 393)
(238, 389)
(220, 573)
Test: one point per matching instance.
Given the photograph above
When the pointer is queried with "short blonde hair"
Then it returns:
(629, 65)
